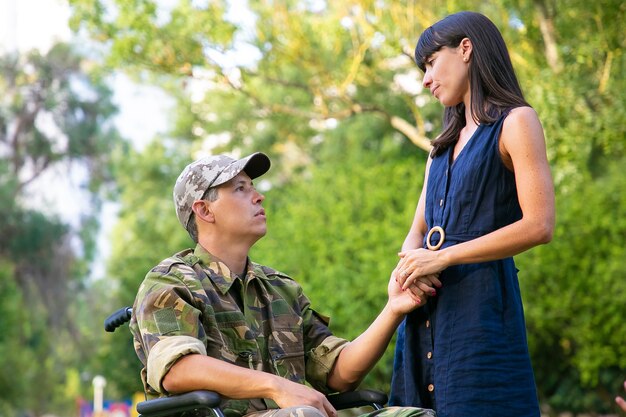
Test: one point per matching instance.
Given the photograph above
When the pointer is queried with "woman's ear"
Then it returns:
(466, 48)
(202, 210)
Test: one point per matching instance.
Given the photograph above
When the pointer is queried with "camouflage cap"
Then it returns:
(211, 171)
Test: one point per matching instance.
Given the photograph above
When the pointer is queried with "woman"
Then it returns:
(487, 196)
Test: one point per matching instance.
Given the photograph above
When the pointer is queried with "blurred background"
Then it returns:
(103, 102)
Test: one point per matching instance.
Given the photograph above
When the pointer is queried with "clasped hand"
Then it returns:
(414, 295)
(416, 275)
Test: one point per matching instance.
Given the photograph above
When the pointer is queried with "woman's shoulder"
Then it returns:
(521, 129)
(521, 115)
(520, 121)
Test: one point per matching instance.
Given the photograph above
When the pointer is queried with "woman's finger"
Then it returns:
(403, 273)
(410, 279)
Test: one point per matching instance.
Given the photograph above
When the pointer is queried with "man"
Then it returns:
(210, 318)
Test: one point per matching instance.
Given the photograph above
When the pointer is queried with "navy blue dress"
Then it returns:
(465, 352)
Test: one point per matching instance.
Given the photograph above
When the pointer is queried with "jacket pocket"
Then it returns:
(286, 343)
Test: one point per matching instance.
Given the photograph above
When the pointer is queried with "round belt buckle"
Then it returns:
(442, 237)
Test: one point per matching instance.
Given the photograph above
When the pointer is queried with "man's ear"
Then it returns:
(202, 210)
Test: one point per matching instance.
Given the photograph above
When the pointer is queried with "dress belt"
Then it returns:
(443, 237)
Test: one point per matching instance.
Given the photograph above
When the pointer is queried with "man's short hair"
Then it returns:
(192, 228)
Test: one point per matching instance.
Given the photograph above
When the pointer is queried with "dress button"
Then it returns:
(431, 387)
(427, 323)
(441, 202)
(429, 355)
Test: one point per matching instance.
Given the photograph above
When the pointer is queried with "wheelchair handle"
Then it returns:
(167, 406)
(118, 318)
(360, 398)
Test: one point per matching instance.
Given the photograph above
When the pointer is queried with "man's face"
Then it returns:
(238, 210)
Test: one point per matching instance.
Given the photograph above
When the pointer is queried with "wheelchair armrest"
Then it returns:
(360, 398)
(209, 400)
(165, 406)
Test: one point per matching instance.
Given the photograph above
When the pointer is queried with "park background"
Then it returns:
(328, 89)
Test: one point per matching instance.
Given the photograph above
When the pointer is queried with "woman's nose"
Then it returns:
(427, 80)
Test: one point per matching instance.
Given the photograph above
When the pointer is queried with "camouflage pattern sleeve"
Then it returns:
(165, 323)
(164, 355)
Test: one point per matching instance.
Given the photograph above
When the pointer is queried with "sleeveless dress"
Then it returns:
(465, 352)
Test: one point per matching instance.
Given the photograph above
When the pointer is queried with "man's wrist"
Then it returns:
(272, 386)
(392, 314)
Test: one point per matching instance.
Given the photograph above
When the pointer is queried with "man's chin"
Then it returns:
(260, 233)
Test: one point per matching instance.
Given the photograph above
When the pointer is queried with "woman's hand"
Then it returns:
(420, 267)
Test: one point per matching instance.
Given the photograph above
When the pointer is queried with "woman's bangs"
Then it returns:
(427, 45)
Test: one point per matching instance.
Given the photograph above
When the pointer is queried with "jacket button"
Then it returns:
(431, 387)
(429, 355)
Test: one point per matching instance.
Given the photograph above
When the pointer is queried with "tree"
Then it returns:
(338, 227)
(301, 78)
(319, 68)
(53, 114)
(575, 289)
(147, 232)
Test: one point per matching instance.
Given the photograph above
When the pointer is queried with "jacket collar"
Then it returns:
(220, 274)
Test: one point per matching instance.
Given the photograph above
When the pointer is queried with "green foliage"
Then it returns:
(575, 290)
(140, 36)
(584, 115)
(12, 354)
(147, 232)
(30, 353)
(322, 93)
(53, 114)
(337, 228)
(147, 213)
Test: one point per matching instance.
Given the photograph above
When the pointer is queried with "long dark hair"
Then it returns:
(493, 83)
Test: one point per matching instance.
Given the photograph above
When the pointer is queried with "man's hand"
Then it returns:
(196, 371)
(292, 394)
(404, 301)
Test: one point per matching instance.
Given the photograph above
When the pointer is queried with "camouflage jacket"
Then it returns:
(185, 305)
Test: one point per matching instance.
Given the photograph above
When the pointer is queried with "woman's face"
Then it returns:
(447, 75)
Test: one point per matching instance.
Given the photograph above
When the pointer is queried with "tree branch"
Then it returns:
(398, 123)
(411, 132)
(546, 26)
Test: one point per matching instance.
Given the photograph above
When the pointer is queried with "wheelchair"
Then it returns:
(203, 403)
